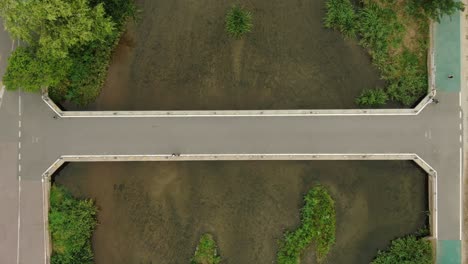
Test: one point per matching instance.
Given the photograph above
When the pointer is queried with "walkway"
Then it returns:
(31, 140)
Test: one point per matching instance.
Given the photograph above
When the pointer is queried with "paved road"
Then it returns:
(434, 135)
(27, 128)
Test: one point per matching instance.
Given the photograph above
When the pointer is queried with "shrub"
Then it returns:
(341, 16)
(32, 73)
(206, 252)
(71, 224)
(373, 97)
(84, 81)
(406, 250)
(238, 21)
(69, 45)
(317, 225)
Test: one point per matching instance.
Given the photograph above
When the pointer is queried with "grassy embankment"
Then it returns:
(317, 226)
(395, 33)
(71, 224)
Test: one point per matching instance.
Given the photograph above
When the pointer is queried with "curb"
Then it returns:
(242, 113)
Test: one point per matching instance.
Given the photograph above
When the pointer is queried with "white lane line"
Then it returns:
(2, 90)
(19, 156)
(19, 220)
(461, 195)
(19, 105)
(44, 217)
(460, 126)
(19, 167)
(19, 134)
(19, 145)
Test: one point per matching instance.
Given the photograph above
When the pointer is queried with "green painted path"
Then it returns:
(447, 54)
(447, 41)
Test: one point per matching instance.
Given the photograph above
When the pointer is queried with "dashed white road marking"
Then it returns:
(44, 217)
(19, 123)
(19, 145)
(19, 220)
(19, 167)
(428, 134)
(460, 126)
(2, 91)
(459, 99)
(19, 134)
(461, 194)
(19, 156)
(19, 105)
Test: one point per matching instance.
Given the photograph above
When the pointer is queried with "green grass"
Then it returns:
(206, 252)
(373, 97)
(410, 249)
(341, 16)
(238, 21)
(317, 226)
(71, 224)
(395, 33)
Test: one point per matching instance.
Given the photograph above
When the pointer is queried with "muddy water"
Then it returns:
(177, 56)
(155, 212)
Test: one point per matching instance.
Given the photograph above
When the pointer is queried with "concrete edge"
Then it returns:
(241, 113)
(432, 174)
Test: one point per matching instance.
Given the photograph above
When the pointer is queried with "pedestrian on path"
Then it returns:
(450, 76)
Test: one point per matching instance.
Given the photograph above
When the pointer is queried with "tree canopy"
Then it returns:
(55, 26)
(66, 45)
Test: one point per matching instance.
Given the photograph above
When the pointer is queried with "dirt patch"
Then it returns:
(183, 59)
(156, 212)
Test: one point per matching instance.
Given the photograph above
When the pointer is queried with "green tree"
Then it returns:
(55, 26)
(71, 223)
(31, 73)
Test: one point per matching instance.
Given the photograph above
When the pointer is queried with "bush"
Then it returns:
(31, 73)
(71, 224)
(406, 250)
(374, 97)
(238, 22)
(69, 45)
(317, 225)
(206, 252)
(341, 16)
(84, 81)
